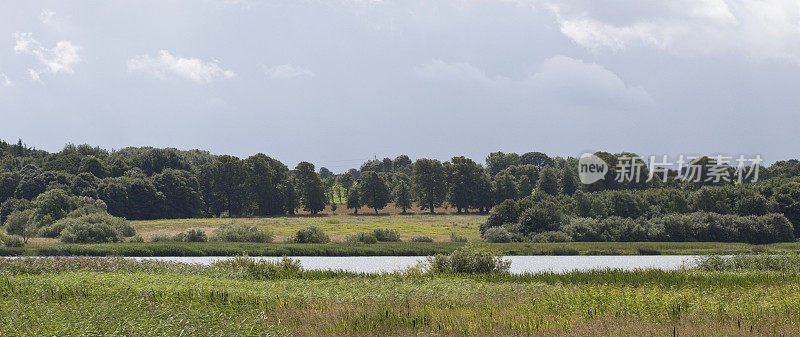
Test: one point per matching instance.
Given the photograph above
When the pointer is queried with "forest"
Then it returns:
(531, 197)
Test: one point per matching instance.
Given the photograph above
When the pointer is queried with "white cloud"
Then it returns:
(560, 80)
(758, 29)
(287, 71)
(46, 16)
(58, 59)
(4, 81)
(166, 65)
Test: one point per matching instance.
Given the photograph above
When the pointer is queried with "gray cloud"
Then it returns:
(327, 80)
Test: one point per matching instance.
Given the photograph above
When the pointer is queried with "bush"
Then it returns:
(457, 238)
(421, 239)
(241, 233)
(311, 234)
(10, 241)
(192, 235)
(506, 212)
(583, 229)
(543, 216)
(162, 238)
(496, 235)
(368, 238)
(87, 232)
(91, 228)
(619, 229)
(469, 260)
(702, 226)
(551, 236)
(386, 235)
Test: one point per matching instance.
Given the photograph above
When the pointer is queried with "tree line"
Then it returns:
(151, 183)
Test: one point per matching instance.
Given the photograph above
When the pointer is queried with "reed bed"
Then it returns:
(114, 296)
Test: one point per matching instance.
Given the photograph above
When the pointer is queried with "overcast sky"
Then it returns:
(336, 82)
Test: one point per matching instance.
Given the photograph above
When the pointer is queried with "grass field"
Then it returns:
(338, 226)
(116, 297)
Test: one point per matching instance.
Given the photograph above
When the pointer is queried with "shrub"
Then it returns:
(241, 233)
(10, 241)
(496, 235)
(87, 232)
(136, 239)
(311, 234)
(551, 236)
(368, 238)
(192, 235)
(583, 229)
(543, 216)
(421, 239)
(506, 212)
(386, 235)
(162, 238)
(457, 238)
(469, 260)
(620, 229)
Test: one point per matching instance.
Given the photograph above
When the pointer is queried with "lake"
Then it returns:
(519, 264)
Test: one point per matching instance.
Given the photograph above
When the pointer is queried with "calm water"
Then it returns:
(519, 264)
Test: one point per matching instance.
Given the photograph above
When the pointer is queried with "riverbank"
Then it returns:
(390, 249)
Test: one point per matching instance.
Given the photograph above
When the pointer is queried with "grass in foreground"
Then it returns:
(89, 296)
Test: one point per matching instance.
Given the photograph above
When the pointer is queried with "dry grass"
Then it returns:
(338, 226)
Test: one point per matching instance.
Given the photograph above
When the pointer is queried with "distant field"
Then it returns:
(338, 226)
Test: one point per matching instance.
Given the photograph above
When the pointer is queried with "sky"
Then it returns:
(338, 82)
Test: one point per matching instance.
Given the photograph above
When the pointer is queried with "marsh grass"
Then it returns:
(101, 296)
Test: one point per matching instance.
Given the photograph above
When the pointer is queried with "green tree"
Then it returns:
(181, 193)
(353, 200)
(498, 161)
(373, 191)
(505, 187)
(8, 183)
(787, 199)
(309, 184)
(222, 184)
(324, 172)
(569, 180)
(90, 164)
(538, 159)
(462, 182)
(21, 223)
(346, 181)
(266, 181)
(402, 195)
(548, 181)
(429, 183)
(484, 196)
(51, 206)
